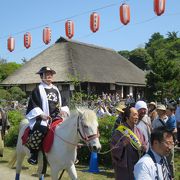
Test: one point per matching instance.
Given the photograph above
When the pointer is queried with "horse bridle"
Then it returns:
(83, 134)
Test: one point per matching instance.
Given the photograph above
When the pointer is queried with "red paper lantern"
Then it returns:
(27, 40)
(46, 35)
(94, 22)
(124, 13)
(69, 28)
(11, 44)
(159, 6)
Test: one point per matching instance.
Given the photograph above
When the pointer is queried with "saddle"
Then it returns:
(49, 137)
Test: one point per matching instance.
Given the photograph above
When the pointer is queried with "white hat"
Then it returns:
(140, 105)
(65, 109)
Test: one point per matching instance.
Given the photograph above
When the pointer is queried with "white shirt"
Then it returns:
(146, 169)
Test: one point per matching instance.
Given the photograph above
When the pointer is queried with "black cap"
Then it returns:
(45, 69)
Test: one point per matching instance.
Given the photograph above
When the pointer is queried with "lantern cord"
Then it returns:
(80, 14)
(147, 20)
(61, 20)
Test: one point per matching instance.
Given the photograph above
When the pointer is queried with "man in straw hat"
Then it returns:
(152, 113)
(120, 110)
(162, 118)
(44, 104)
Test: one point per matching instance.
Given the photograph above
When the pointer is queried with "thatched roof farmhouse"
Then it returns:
(97, 68)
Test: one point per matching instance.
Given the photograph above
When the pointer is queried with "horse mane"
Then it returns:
(89, 116)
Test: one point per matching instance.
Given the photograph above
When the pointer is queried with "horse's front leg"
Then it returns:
(72, 172)
(20, 158)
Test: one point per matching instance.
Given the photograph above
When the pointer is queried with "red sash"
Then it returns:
(25, 135)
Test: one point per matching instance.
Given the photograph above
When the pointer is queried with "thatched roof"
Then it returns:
(89, 62)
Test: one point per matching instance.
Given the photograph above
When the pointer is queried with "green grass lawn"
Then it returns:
(104, 173)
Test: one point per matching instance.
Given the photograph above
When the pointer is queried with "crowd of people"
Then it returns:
(145, 150)
(156, 127)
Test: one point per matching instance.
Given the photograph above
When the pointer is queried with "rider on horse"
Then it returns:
(44, 105)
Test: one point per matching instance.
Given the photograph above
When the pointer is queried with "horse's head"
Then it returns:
(88, 129)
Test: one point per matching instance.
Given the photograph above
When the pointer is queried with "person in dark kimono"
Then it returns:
(124, 154)
(44, 105)
(4, 126)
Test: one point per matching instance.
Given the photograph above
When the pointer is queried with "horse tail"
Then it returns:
(13, 160)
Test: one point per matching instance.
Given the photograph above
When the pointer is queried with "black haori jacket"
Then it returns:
(38, 103)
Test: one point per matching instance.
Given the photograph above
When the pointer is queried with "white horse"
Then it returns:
(82, 124)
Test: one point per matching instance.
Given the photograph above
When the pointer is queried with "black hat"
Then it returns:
(45, 69)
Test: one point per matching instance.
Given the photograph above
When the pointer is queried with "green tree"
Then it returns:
(172, 35)
(140, 58)
(154, 38)
(124, 53)
(7, 69)
(162, 80)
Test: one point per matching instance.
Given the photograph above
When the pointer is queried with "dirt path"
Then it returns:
(7, 173)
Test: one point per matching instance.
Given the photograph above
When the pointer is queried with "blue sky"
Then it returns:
(18, 17)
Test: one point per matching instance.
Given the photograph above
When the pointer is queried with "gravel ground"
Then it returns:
(7, 173)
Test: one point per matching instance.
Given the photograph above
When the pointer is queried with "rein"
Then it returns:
(85, 138)
(115, 146)
(68, 142)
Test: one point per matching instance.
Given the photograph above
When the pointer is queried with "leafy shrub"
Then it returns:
(16, 93)
(4, 95)
(106, 125)
(14, 117)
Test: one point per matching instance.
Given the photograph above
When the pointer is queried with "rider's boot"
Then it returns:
(34, 157)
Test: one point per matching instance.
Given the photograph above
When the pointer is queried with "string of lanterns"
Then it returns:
(124, 13)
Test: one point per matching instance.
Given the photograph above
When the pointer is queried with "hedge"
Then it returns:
(14, 117)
